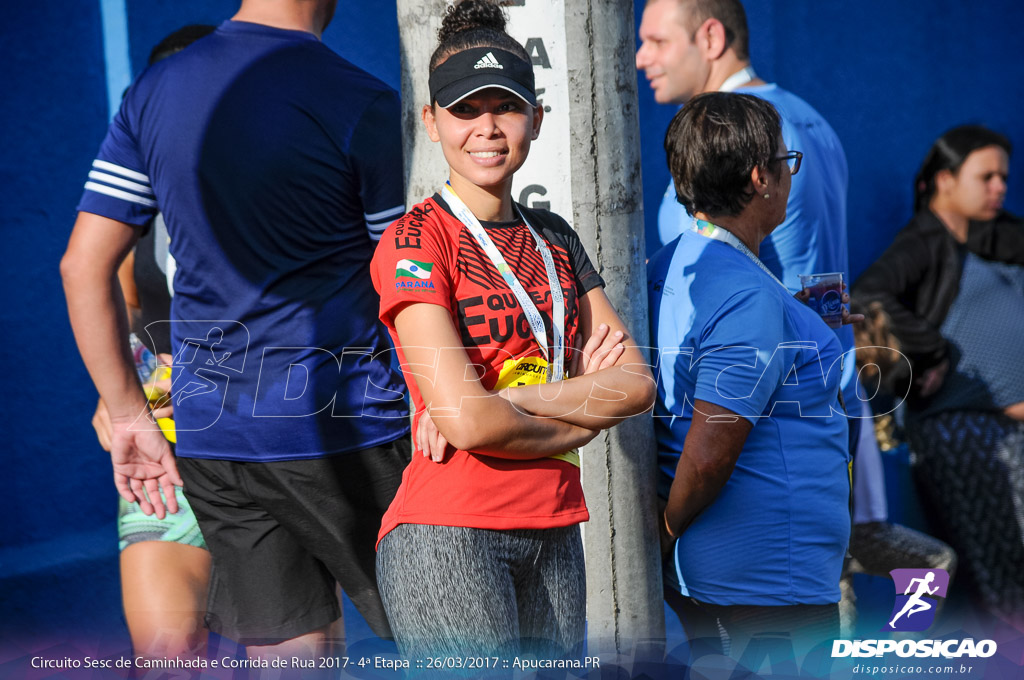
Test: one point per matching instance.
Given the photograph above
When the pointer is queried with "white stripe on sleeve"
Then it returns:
(117, 193)
(118, 170)
(117, 181)
(376, 231)
(391, 214)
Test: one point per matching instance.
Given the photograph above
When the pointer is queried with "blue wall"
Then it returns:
(58, 503)
(889, 76)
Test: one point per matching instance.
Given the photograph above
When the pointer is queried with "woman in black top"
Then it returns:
(952, 284)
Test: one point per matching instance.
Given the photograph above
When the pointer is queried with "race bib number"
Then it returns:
(531, 371)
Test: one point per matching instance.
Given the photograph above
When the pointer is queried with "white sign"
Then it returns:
(545, 180)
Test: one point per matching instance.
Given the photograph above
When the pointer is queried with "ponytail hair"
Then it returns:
(474, 23)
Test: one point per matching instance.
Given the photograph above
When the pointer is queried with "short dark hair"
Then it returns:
(713, 143)
(474, 23)
(729, 12)
(949, 153)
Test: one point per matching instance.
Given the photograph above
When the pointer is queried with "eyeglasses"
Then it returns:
(792, 159)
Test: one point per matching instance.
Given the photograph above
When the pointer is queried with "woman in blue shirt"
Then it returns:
(752, 431)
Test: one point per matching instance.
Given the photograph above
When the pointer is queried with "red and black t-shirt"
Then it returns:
(428, 256)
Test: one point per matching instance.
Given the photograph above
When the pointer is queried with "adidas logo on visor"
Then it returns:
(488, 61)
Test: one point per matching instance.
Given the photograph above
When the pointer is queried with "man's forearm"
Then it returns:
(97, 311)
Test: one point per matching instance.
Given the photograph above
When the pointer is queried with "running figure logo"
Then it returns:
(916, 593)
(210, 354)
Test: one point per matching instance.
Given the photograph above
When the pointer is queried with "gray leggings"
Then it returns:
(456, 591)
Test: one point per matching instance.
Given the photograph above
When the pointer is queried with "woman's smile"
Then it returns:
(489, 158)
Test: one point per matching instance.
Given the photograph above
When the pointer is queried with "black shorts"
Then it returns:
(282, 534)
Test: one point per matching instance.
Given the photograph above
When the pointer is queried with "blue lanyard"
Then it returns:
(717, 233)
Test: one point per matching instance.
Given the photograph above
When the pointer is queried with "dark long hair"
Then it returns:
(949, 153)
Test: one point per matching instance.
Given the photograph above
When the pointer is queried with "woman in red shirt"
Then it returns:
(486, 300)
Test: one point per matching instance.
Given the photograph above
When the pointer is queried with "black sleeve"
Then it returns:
(1001, 240)
(557, 230)
(587, 277)
(893, 280)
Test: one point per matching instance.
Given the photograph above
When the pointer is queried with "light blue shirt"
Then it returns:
(812, 239)
(730, 335)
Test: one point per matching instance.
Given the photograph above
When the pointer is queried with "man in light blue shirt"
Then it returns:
(694, 46)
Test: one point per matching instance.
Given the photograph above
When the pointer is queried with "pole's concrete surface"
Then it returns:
(625, 614)
(425, 167)
(624, 590)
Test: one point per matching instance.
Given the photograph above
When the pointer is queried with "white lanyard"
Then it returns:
(717, 233)
(533, 316)
(741, 77)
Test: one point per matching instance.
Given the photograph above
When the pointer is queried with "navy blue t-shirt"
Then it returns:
(276, 164)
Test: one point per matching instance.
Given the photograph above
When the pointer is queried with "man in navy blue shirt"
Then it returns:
(276, 164)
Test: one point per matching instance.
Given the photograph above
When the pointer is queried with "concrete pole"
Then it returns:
(625, 613)
(586, 166)
(425, 167)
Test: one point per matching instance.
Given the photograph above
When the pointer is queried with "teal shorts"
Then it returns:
(181, 527)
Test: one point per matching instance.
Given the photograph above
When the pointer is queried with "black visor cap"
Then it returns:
(480, 68)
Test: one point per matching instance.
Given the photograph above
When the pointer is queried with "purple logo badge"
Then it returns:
(917, 593)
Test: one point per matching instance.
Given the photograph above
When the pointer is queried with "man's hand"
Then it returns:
(143, 465)
(142, 458)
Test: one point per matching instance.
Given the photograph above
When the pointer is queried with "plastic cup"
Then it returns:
(826, 296)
